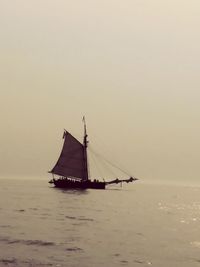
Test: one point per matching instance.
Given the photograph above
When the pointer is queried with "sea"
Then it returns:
(139, 224)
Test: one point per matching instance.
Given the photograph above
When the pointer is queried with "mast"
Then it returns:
(85, 143)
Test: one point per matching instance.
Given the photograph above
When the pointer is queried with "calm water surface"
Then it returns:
(138, 225)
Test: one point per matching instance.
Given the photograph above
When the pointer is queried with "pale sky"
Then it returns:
(131, 67)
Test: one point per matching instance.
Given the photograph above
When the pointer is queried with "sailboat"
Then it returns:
(72, 166)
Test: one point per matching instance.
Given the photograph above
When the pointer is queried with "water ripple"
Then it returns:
(79, 218)
(75, 249)
(27, 242)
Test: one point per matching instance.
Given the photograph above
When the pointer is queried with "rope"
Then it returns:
(95, 163)
(109, 162)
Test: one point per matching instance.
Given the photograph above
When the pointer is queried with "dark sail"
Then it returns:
(71, 162)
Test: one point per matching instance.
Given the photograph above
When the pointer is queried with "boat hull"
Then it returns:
(68, 184)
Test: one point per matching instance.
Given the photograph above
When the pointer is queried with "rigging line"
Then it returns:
(104, 165)
(110, 152)
(108, 161)
(92, 158)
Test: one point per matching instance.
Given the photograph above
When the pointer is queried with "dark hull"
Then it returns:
(68, 184)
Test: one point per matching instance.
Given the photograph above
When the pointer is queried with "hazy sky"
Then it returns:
(131, 67)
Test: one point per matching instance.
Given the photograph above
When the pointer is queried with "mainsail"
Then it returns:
(72, 161)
